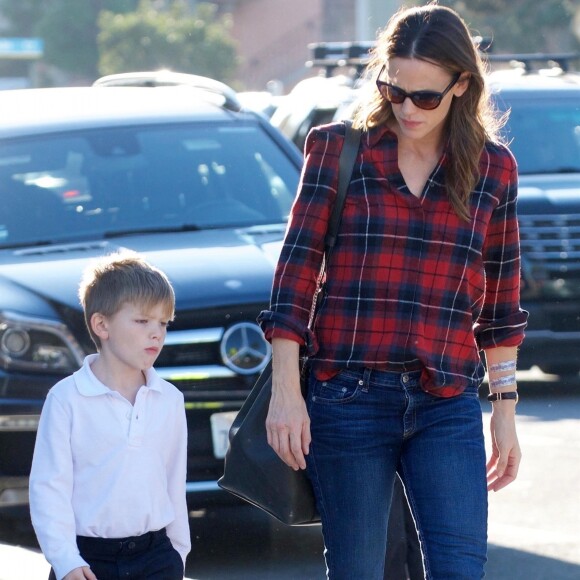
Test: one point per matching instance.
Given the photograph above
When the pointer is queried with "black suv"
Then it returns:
(542, 94)
(180, 174)
(543, 98)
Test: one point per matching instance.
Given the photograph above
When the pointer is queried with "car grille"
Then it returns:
(189, 354)
(550, 247)
(553, 240)
(191, 358)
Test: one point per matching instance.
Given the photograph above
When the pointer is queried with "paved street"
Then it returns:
(534, 524)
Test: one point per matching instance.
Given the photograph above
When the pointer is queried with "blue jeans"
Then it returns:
(366, 425)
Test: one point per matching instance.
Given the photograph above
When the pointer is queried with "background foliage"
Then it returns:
(147, 39)
(88, 38)
(84, 39)
(522, 25)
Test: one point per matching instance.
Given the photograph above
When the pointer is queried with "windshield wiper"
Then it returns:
(31, 244)
(553, 171)
(151, 230)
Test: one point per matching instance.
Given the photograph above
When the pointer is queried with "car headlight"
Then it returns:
(37, 344)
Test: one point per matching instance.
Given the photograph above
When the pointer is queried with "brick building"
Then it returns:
(273, 35)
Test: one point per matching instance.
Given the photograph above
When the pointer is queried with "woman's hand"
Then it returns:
(503, 465)
(287, 423)
(83, 573)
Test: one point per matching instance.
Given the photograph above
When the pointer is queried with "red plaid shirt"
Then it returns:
(410, 285)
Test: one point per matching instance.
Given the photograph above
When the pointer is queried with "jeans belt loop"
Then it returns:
(366, 380)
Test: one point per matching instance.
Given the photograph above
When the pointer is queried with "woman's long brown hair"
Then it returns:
(438, 35)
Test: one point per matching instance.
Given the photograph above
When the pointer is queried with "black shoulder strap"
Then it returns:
(345, 166)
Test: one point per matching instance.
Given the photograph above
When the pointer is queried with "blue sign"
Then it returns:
(21, 47)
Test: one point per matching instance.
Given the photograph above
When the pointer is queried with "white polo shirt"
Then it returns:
(107, 469)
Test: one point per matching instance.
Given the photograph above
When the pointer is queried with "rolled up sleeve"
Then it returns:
(298, 268)
(502, 321)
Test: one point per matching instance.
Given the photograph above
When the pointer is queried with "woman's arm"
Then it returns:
(287, 424)
(503, 465)
(502, 321)
(302, 253)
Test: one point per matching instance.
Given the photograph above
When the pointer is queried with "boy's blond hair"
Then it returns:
(121, 278)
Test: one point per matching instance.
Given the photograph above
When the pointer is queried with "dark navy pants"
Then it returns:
(147, 557)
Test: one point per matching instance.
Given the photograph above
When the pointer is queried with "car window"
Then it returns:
(544, 135)
(109, 181)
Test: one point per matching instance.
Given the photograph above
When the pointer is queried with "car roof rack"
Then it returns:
(526, 61)
(167, 78)
(332, 55)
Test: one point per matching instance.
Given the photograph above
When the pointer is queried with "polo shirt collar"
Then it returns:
(89, 386)
(153, 380)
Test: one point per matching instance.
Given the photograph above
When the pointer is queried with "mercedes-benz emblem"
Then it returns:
(244, 348)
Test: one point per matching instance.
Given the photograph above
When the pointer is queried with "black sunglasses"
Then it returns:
(427, 100)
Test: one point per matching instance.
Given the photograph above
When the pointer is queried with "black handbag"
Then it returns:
(253, 471)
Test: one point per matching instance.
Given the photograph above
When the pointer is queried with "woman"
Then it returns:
(425, 275)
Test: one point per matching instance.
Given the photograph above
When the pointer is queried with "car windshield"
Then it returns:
(114, 181)
(544, 135)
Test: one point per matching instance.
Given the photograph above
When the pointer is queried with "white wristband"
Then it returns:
(500, 382)
(508, 365)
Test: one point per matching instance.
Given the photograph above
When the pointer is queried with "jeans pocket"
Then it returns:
(342, 388)
(470, 393)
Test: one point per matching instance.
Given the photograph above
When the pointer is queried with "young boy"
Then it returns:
(107, 486)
